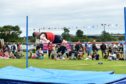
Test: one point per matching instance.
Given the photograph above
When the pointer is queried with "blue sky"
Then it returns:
(87, 15)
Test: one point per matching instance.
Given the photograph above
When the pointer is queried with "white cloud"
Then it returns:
(59, 13)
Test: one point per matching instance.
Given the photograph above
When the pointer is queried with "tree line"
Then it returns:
(12, 34)
(103, 37)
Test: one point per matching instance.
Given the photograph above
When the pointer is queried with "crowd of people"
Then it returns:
(80, 51)
(10, 51)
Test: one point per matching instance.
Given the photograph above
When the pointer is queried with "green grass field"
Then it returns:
(90, 65)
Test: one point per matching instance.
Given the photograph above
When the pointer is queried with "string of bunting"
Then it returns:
(83, 27)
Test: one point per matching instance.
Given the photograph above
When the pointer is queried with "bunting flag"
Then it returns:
(116, 25)
(76, 28)
(109, 25)
(93, 26)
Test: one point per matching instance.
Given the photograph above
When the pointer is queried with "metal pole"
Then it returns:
(26, 41)
(125, 32)
(104, 28)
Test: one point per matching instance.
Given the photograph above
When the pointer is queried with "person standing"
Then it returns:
(50, 48)
(94, 48)
(88, 48)
(103, 49)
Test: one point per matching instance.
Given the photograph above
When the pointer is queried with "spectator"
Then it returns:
(18, 47)
(78, 46)
(112, 56)
(73, 53)
(103, 50)
(13, 48)
(39, 53)
(88, 49)
(94, 48)
(61, 51)
(95, 56)
(53, 53)
(50, 48)
(80, 53)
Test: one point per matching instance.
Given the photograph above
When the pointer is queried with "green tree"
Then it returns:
(105, 36)
(32, 39)
(66, 34)
(10, 33)
(79, 33)
(121, 38)
(66, 30)
(75, 39)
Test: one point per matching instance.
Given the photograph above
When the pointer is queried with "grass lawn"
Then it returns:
(90, 65)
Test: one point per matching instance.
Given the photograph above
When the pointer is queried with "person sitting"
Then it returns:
(6, 54)
(95, 56)
(80, 54)
(62, 51)
(73, 53)
(1, 54)
(112, 56)
(32, 54)
(11, 55)
(53, 53)
(39, 53)
(105, 55)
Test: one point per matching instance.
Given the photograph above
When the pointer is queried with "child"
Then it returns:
(62, 51)
(53, 53)
(39, 53)
(73, 53)
(95, 56)
(80, 54)
(32, 55)
(112, 56)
